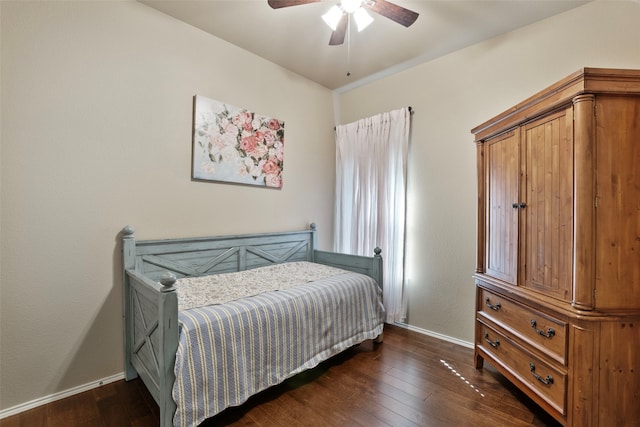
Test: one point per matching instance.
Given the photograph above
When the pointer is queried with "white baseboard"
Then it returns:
(435, 335)
(60, 395)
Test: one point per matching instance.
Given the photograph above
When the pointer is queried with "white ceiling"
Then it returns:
(297, 39)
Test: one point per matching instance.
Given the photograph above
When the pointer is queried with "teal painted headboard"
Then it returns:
(219, 254)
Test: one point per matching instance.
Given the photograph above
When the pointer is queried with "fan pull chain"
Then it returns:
(348, 45)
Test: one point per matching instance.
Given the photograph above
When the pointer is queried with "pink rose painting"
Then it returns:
(231, 144)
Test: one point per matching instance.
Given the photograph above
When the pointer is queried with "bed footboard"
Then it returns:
(371, 266)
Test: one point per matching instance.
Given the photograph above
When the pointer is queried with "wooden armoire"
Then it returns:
(558, 257)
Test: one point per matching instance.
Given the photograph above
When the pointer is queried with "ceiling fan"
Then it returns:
(337, 17)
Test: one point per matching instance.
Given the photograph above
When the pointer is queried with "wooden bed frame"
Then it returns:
(150, 269)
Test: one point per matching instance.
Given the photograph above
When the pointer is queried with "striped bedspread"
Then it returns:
(231, 351)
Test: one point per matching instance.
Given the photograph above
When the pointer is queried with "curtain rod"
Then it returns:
(409, 108)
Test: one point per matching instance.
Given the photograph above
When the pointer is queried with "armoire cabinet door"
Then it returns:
(546, 219)
(502, 169)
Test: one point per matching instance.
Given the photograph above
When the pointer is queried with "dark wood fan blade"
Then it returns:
(337, 37)
(392, 11)
(277, 4)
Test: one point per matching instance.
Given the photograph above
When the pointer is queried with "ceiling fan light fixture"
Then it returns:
(332, 17)
(338, 18)
(350, 6)
(362, 18)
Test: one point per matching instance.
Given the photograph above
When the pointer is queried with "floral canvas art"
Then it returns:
(231, 144)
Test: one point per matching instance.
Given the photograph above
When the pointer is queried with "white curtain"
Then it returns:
(371, 171)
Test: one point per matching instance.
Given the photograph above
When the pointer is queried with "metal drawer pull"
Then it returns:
(546, 381)
(550, 331)
(493, 344)
(491, 306)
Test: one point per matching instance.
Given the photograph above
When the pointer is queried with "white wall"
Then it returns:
(97, 115)
(450, 96)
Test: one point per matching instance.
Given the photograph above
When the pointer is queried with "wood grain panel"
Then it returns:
(583, 344)
(547, 221)
(502, 219)
(618, 212)
(619, 369)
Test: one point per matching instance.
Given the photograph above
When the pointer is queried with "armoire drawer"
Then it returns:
(538, 375)
(543, 332)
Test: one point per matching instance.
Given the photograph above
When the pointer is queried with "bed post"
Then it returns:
(377, 265)
(377, 272)
(128, 263)
(168, 324)
(314, 241)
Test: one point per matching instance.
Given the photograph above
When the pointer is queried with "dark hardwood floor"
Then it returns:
(409, 380)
